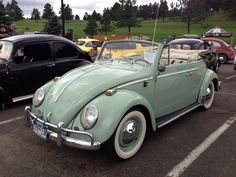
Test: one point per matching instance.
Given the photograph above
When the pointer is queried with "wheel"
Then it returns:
(223, 58)
(209, 96)
(129, 135)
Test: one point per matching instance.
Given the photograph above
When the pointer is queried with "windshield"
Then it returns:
(5, 50)
(129, 51)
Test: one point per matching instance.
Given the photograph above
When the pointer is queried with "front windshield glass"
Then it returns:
(5, 50)
(142, 51)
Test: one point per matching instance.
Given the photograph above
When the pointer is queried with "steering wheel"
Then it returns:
(145, 61)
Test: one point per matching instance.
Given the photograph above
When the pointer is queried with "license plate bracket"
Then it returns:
(40, 129)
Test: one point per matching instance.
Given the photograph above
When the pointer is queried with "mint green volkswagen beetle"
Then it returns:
(133, 86)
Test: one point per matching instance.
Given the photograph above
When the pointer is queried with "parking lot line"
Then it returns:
(225, 93)
(230, 77)
(11, 120)
(180, 168)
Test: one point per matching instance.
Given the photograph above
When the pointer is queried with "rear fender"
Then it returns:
(208, 78)
(111, 110)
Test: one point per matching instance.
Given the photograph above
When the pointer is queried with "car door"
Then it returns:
(31, 67)
(67, 57)
(174, 88)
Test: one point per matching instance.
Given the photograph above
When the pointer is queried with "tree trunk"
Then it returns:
(188, 27)
(129, 28)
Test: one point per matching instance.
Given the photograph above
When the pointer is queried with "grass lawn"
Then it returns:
(164, 29)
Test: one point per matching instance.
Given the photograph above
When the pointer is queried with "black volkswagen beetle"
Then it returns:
(29, 61)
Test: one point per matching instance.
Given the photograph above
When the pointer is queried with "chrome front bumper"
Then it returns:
(58, 136)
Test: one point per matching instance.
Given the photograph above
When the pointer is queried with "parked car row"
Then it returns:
(224, 51)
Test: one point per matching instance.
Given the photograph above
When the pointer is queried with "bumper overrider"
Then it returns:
(60, 135)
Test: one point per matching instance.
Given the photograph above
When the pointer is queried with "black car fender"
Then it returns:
(3, 95)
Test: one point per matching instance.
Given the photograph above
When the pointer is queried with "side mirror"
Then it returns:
(161, 68)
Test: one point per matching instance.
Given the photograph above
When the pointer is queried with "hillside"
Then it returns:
(164, 29)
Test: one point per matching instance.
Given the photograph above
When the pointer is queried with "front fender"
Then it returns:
(111, 110)
(209, 76)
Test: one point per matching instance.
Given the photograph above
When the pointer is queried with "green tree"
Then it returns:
(163, 9)
(91, 28)
(67, 13)
(4, 19)
(106, 25)
(128, 17)
(14, 11)
(35, 15)
(86, 16)
(116, 11)
(53, 26)
(77, 17)
(192, 11)
(48, 11)
(96, 16)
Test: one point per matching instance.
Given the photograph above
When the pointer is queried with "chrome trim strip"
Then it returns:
(178, 116)
(62, 90)
(134, 82)
(21, 98)
(59, 138)
(180, 72)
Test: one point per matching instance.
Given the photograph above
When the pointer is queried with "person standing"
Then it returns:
(69, 35)
(93, 52)
(14, 31)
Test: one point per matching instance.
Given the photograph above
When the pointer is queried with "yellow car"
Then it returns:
(87, 44)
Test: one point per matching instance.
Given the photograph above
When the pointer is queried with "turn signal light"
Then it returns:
(110, 92)
(56, 79)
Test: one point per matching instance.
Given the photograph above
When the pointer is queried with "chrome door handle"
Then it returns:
(50, 65)
(189, 74)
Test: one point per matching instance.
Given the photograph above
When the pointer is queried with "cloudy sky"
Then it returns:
(78, 6)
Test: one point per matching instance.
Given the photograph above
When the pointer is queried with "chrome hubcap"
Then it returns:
(129, 133)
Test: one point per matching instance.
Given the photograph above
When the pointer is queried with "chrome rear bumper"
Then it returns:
(58, 136)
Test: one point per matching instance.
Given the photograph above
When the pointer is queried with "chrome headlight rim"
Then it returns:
(38, 97)
(86, 121)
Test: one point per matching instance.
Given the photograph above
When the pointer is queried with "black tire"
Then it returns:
(223, 58)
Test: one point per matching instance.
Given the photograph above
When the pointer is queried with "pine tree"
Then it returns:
(106, 25)
(48, 11)
(91, 28)
(14, 11)
(35, 15)
(4, 19)
(53, 26)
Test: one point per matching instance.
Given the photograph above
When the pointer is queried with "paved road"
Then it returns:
(22, 154)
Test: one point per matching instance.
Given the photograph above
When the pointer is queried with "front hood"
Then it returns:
(78, 87)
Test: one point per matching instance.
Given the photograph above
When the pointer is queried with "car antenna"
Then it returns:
(154, 31)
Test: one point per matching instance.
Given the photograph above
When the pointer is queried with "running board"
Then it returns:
(162, 121)
(21, 98)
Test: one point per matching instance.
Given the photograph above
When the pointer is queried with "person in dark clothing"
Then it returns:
(69, 35)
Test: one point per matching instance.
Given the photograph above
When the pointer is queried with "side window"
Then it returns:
(62, 51)
(214, 44)
(88, 44)
(31, 53)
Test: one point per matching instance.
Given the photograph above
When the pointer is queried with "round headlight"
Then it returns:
(38, 97)
(89, 117)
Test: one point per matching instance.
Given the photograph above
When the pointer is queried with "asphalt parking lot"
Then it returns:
(200, 144)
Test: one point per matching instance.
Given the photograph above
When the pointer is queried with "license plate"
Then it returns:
(40, 129)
